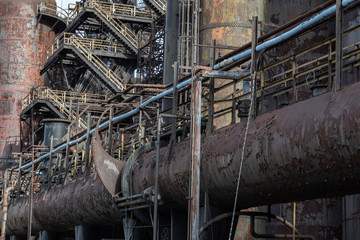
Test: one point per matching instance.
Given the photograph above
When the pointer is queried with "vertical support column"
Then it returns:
(19, 179)
(330, 83)
(294, 98)
(31, 195)
(195, 156)
(253, 64)
(87, 146)
(174, 103)
(339, 48)
(170, 44)
(50, 161)
(155, 224)
(67, 154)
(210, 123)
(32, 127)
(111, 115)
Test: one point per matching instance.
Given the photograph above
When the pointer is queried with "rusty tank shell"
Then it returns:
(304, 151)
(86, 201)
(23, 43)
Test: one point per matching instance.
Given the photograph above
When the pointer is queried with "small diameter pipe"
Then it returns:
(285, 36)
(4, 214)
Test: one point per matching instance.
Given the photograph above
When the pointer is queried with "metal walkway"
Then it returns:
(85, 49)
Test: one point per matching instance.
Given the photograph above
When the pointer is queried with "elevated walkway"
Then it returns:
(60, 101)
(52, 16)
(86, 49)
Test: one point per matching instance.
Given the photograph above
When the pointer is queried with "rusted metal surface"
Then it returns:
(195, 158)
(76, 203)
(351, 217)
(22, 45)
(321, 218)
(107, 167)
(304, 151)
(85, 201)
(229, 23)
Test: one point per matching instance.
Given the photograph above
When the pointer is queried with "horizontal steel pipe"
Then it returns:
(304, 151)
(62, 208)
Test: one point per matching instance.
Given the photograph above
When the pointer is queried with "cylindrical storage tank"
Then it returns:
(229, 23)
(56, 128)
(22, 44)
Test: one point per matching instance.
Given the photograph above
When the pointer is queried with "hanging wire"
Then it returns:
(243, 152)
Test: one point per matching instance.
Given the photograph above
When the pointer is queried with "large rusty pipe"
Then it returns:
(86, 201)
(304, 151)
(60, 209)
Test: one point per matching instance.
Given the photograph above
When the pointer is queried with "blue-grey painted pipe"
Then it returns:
(285, 36)
(224, 74)
(324, 14)
(115, 119)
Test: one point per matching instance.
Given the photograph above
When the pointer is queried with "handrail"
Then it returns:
(124, 9)
(52, 9)
(66, 96)
(85, 47)
(116, 23)
(92, 44)
(99, 64)
(160, 4)
(61, 100)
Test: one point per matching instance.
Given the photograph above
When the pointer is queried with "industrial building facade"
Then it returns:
(181, 119)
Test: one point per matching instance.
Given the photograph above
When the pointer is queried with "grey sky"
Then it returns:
(64, 3)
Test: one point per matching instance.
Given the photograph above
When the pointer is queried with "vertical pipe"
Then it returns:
(87, 146)
(210, 123)
(19, 179)
(140, 123)
(155, 225)
(195, 156)
(31, 195)
(253, 65)
(174, 103)
(339, 49)
(50, 160)
(110, 130)
(294, 221)
(4, 214)
(32, 127)
(170, 44)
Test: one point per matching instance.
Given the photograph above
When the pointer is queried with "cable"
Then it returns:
(243, 152)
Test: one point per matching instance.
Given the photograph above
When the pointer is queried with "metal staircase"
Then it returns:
(159, 6)
(117, 27)
(86, 50)
(61, 100)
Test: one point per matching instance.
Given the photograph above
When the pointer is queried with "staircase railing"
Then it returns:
(52, 9)
(85, 46)
(61, 100)
(120, 27)
(126, 10)
(160, 4)
(71, 39)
